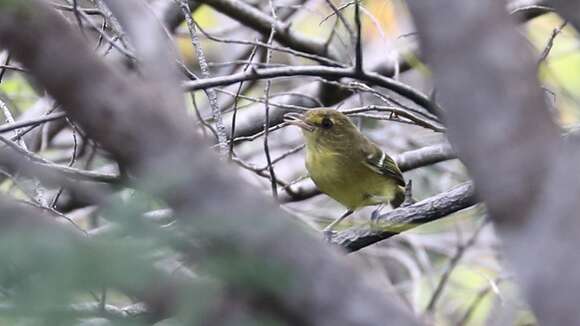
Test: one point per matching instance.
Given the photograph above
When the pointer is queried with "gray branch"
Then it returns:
(317, 71)
(405, 218)
(261, 22)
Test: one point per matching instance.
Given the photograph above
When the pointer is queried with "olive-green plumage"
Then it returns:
(346, 165)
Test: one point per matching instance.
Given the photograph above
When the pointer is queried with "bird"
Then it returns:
(345, 165)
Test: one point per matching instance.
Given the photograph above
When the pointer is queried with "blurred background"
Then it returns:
(449, 272)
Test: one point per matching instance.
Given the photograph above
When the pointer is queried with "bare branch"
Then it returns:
(272, 174)
(358, 65)
(211, 93)
(405, 218)
(32, 122)
(461, 248)
(318, 71)
(254, 18)
(171, 13)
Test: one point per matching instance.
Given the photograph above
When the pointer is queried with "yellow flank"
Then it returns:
(346, 165)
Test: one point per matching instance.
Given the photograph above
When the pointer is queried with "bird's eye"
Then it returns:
(326, 123)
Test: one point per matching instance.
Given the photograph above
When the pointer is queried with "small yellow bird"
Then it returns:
(346, 165)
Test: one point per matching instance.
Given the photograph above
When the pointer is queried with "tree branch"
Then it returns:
(405, 218)
(318, 71)
(261, 22)
(32, 122)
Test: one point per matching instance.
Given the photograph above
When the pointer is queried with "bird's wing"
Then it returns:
(381, 163)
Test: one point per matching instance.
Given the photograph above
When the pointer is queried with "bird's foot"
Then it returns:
(328, 234)
(376, 214)
(409, 200)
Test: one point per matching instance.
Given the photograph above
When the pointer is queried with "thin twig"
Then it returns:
(262, 22)
(306, 55)
(211, 94)
(340, 17)
(236, 97)
(111, 41)
(273, 184)
(461, 249)
(71, 162)
(64, 170)
(339, 9)
(550, 42)
(245, 62)
(4, 67)
(319, 71)
(32, 186)
(272, 104)
(88, 11)
(492, 286)
(118, 29)
(11, 67)
(259, 134)
(32, 122)
(10, 120)
(76, 13)
(201, 119)
(399, 112)
(358, 66)
(262, 173)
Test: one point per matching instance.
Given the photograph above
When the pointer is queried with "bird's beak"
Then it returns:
(298, 119)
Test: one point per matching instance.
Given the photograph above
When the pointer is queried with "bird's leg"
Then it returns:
(376, 213)
(409, 200)
(328, 233)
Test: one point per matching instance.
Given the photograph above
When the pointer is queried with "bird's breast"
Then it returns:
(347, 180)
(332, 174)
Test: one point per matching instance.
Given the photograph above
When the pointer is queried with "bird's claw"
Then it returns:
(375, 216)
(328, 234)
(409, 200)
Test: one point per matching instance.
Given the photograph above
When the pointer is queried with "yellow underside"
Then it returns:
(349, 182)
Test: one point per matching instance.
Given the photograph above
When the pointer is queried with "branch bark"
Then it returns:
(406, 218)
(317, 71)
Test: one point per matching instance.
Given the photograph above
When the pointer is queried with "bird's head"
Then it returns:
(324, 127)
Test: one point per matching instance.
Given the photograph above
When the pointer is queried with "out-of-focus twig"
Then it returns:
(461, 248)
(162, 148)
(271, 172)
